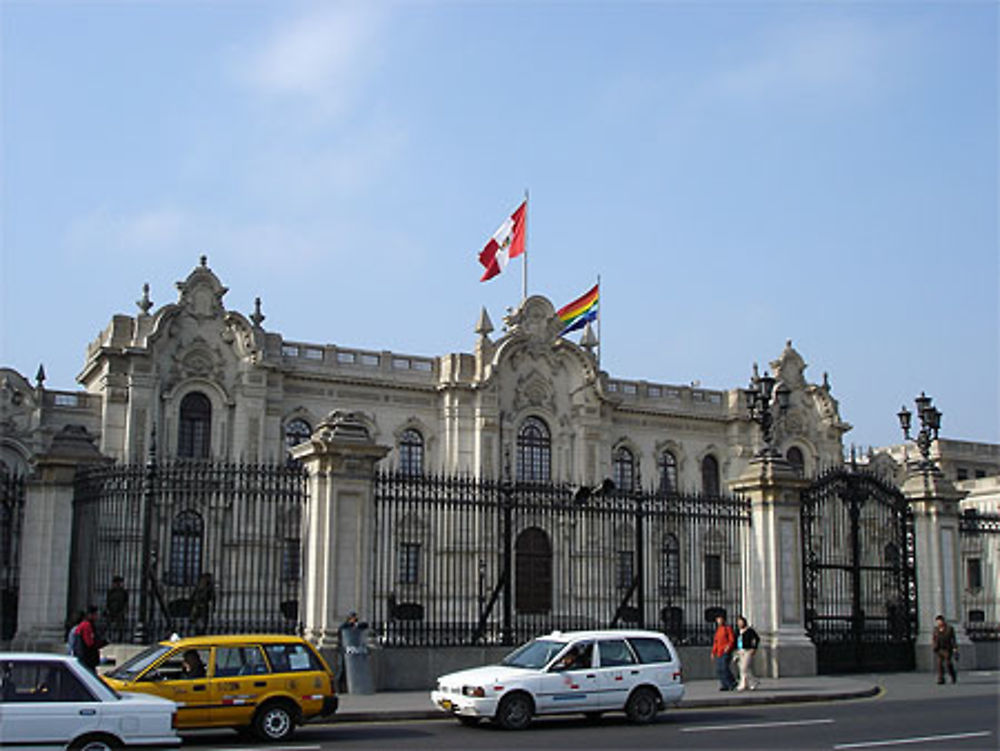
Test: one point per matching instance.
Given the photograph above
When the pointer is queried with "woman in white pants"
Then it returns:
(747, 642)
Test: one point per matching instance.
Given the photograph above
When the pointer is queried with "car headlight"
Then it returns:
(473, 691)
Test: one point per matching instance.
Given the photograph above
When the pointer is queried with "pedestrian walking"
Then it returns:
(747, 642)
(945, 649)
(202, 600)
(115, 608)
(87, 644)
(723, 644)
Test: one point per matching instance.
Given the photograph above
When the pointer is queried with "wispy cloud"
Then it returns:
(826, 57)
(323, 55)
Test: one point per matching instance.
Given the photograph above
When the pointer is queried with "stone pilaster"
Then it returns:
(772, 593)
(48, 536)
(340, 460)
(934, 501)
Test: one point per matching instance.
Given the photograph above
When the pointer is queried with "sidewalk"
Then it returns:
(416, 705)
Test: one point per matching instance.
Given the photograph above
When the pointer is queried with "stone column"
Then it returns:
(48, 537)
(772, 592)
(340, 459)
(934, 501)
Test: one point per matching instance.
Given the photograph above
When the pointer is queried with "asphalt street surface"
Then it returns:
(911, 713)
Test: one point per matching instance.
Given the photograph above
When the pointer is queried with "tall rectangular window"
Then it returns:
(409, 562)
(973, 573)
(713, 571)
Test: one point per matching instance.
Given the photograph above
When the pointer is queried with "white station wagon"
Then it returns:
(590, 672)
(52, 701)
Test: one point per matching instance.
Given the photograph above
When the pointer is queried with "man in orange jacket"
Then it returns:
(722, 652)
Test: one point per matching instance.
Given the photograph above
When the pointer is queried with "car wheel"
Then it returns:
(514, 712)
(642, 706)
(274, 722)
(96, 744)
(469, 722)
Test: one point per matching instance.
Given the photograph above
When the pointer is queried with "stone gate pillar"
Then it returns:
(48, 537)
(340, 460)
(772, 592)
(934, 501)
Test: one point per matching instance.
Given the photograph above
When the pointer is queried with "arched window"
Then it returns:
(797, 460)
(186, 534)
(624, 469)
(411, 452)
(670, 566)
(296, 431)
(533, 572)
(194, 436)
(534, 451)
(668, 472)
(710, 475)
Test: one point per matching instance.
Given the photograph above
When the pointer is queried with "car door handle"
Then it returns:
(590, 675)
(259, 684)
(198, 688)
(635, 672)
(88, 712)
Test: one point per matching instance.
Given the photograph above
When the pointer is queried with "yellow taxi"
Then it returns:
(265, 683)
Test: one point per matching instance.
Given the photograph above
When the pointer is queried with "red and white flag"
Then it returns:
(506, 243)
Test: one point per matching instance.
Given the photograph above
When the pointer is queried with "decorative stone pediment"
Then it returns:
(790, 367)
(534, 390)
(201, 293)
(534, 318)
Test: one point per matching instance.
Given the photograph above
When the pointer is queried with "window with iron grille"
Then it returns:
(409, 562)
(534, 451)
(186, 537)
(713, 572)
(533, 572)
(626, 568)
(796, 459)
(194, 434)
(710, 475)
(296, 431)
(668, 472)
(624, 469)
(973, 573)
(411, 452)
(670, 565)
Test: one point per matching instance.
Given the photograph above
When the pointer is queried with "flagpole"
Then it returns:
(524, 266)
(600, 304)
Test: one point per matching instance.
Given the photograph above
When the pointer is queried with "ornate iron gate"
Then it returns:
(11, 518)
(859, 573)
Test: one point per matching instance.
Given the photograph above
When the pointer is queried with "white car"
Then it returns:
(590, 672)
(52, 701)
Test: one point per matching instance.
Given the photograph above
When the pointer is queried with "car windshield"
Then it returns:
(534, 655)
(131, 668)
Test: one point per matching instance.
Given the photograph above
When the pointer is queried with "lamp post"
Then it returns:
(930, 424)
(762, 399)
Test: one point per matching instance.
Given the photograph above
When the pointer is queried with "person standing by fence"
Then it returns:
(747, 642)
(945, 649)
(115, 607)
(87, 644)
(202, 600)
(723, 644)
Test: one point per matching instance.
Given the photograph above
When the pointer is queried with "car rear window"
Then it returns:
(31, 681)
(231, 661)
(650, 649)
(291, 658)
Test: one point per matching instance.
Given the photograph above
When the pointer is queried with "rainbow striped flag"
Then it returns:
(582, 310)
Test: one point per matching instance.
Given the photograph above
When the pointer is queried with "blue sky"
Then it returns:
(737, 173)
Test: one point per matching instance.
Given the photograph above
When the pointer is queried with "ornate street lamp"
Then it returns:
(930, 424)
(762, 399)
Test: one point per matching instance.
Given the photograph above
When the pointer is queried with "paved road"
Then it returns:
(911, 713)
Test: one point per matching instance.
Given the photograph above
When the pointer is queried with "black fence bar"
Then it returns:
(980, 535)
(224, 549)
(465, 561)
(11, 522)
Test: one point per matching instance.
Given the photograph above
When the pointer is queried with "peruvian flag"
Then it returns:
(506, 243)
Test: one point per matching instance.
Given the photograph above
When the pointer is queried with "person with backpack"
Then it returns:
(87, 646)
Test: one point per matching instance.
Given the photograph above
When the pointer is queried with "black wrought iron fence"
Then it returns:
(464, 561)
(980, 535)
(199, 547)
(11, 521)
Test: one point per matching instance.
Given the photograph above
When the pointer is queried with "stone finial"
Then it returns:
(589, 339)
(484, 326)
(145, 303)
(826, 381)
(203, 260)
(343, 425)
(257, 317)
(40, 376)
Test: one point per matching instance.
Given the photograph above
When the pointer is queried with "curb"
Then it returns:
(436, 714)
